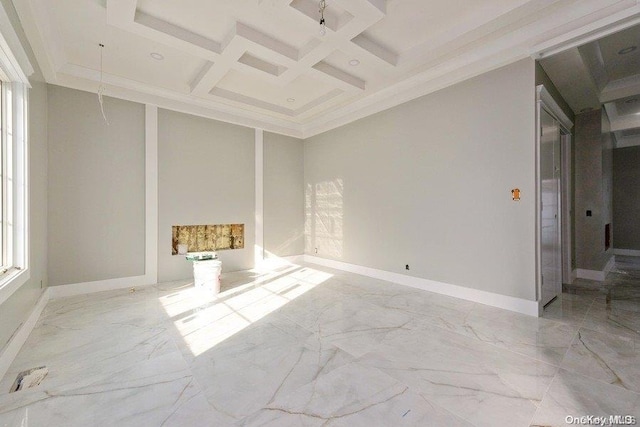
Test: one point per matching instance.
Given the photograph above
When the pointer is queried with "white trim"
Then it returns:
(84, 288)
(21, 175)
(14, 345)
(405, 91)
(259, 197)
(294, 259)
(19, 234)
(626, 252)
(553, 107)
(120, 88)
(12, 283)
(546, 102)
(593, 31)
(151, 194)
(50, 54)
(609, 266)
(14, 60)
(538, 197)
(566, 213)
(590, 274)
(599, 276)
(506, 302)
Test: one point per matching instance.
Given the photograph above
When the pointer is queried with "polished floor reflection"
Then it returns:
(307, 345)
(600, 373)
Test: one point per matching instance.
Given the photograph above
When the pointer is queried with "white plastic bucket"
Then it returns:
(206, 275)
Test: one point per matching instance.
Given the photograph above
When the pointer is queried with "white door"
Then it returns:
(550, 240)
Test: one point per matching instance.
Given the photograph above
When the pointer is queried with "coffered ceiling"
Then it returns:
(264, 63)
(604, 73)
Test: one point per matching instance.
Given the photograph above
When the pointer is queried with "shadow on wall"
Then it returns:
(323, 225)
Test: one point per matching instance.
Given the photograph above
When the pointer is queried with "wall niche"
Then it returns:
(204, 238)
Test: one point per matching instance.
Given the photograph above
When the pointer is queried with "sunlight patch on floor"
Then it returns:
(204, 320)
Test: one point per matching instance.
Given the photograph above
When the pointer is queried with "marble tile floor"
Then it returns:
(307, 345)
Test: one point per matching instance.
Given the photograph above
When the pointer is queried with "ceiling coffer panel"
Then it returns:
(602, 73)
(247, 59)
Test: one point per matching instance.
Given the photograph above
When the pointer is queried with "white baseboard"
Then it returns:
(62, 291)
(14, 345)
(294, 259)
(626, 252)
(518, 305)
(610, 265)
(597, 275)
(591, 274)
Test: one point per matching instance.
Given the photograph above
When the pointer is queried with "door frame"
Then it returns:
(545, 101)
(566, 153)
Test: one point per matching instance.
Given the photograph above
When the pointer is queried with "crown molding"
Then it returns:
(554, 27)
(188, 106)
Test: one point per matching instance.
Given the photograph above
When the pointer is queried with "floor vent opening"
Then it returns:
(29, 378)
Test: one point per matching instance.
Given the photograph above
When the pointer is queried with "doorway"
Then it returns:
(554, 198)
(550, 208)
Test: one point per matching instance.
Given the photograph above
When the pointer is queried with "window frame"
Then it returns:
(15, 236)
(14, 69)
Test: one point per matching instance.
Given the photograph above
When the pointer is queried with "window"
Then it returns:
(14, 190)
(4, 218)
(13, 183)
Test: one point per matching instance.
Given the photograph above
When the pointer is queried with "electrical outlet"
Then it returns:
(406, 267)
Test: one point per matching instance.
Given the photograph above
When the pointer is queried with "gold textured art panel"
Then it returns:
(202, 238)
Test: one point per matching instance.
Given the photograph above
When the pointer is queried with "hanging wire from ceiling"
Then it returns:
(323, 26)
(101, 87)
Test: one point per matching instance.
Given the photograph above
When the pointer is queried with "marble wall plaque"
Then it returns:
(201, 238)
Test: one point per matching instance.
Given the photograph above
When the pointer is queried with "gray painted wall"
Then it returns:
(283, 195)
(626, 198)
(17, 308)
(96, 188)
(206, 175)
(592, 181)
(428, 183)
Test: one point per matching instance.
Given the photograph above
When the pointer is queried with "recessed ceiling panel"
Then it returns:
(617, 63)
(628, 106)
(123, 55)
(631, 132)
(363, 67)
(602, 72)
(410, 23)
(215, 19)
(302, 90)
(212, 19)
